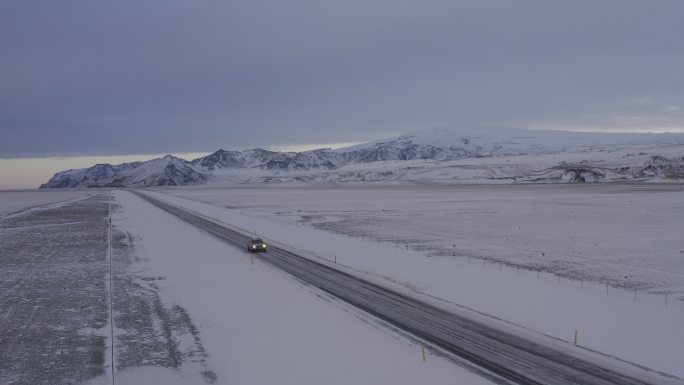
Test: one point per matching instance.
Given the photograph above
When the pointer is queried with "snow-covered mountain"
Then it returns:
(166, 171)
(433, 149)
(436, 143)
(270, 160)
(442, 143)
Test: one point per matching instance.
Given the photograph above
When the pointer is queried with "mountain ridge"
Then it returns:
(438, 144)
(165, 171)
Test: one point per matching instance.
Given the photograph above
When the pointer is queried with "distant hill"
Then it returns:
(166, 171)
(437, 144)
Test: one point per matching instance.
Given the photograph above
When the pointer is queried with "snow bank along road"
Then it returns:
(510, 356)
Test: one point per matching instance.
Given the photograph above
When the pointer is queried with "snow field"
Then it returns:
(15, 201)
(645, 332)
(258, 325)
(624, 235)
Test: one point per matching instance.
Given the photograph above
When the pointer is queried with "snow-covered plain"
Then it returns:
(260, 326)
(257, 324)
(13, 201)
(53, 299)
(624, 235)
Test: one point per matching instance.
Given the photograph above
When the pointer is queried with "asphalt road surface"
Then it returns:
(505, 354)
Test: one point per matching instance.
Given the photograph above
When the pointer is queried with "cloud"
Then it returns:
(83, 77)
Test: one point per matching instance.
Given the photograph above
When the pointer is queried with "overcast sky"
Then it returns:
(139, 77)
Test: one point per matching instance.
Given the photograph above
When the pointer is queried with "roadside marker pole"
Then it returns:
(111, 291)
(575, 342)
(665, 299)
(423, 350)
(251, 256)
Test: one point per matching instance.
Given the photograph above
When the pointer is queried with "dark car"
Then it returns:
(256, 245)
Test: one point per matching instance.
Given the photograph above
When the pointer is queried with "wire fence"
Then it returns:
(660, 296)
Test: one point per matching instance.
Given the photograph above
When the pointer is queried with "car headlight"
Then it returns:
(254, 246)
(264, 245)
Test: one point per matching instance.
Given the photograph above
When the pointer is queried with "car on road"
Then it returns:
(256, 245)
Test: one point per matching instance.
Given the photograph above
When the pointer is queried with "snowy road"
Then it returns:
(53, 298)
(501, 352)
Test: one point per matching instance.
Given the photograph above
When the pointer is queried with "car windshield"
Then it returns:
(258, 240)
